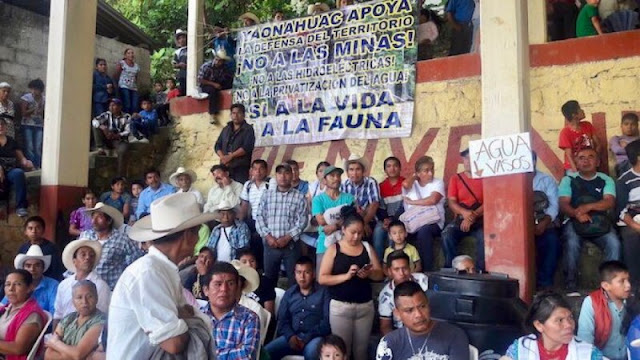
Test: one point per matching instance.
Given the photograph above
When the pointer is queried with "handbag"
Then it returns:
(419, 216)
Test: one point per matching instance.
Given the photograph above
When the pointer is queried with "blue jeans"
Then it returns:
(451, 236)
(33, 144)
(547, 251)
(140, 128)
(279, 348)
(273, 257)
(423, 241)
(17, 179)
(380, 239)
(608, 243)
(129, 100)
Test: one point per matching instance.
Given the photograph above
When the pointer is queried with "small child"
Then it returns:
(332, 347)
(172, 90)
(398, 235)
(145, 123)
(576, 135)
(161, 103)
(588, 21)
(117, 197)
(602, 312)
(136, 188)
(629, 129)
(80, 219)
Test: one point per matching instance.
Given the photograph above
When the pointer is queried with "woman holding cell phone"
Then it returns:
(347, 268)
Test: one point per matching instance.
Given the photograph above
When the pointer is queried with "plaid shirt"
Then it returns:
(118, 252)
(238, 237)
(282, 213)
(237, 333)
(221, 75)
(365, 193)
(117, 124)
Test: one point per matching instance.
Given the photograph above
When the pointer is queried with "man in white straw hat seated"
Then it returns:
(118, 251)
(215, 76)
(148, 309)
(80, 257)
(236, 329)
(230, 235)
(45, 287)
(183, 180)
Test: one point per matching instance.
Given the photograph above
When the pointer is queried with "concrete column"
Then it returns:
(72, 27)
(195, 45)
(537, 10)
(506, 106)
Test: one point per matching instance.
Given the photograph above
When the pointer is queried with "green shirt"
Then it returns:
(72, 333)
(584, 26)
(322, 203)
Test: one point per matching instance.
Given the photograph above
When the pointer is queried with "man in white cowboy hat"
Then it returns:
(80, 257)
(148, 308)
(118, 251)
(249, 19)
(367, 193)
(236, 329)
(281, 218)
(224, 189)
(183, 180)
(230, 235)
(45, 287)
(179, 60)
(213, 77)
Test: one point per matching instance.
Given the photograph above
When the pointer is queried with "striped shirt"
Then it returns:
(252, 193)
(366, 193)
(628, 195)
(282, 213)
(237, 333)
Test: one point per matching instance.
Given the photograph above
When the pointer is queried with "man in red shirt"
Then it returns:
(465, 201)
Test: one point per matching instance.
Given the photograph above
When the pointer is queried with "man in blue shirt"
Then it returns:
(155, 190)
(45, 287)
(303, 317)
(459, 14)
(545, 202)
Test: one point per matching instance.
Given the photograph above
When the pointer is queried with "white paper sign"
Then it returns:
(501, 155)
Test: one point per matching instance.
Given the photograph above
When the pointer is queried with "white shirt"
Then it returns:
(196, 193)
(386, 304)
(230, 193)
(64, 296)
(252, 194)
(144, 307)
(418, 192)
(223, 249)
(316, 188)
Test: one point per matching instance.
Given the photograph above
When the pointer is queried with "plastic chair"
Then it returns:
(279, 296)
(473, 352)
(36, 346)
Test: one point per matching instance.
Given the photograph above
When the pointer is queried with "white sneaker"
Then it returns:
(143, 140)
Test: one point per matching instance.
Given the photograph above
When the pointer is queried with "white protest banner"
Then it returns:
(501, 155)
(342, 74)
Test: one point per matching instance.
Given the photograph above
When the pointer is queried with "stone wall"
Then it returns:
(23, 50)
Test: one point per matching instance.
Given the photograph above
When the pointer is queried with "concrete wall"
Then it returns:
(23, 50)
(601, 73)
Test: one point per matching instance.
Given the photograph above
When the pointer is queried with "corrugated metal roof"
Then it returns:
(109, 23)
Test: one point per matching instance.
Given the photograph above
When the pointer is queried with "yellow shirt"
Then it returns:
(408, 249)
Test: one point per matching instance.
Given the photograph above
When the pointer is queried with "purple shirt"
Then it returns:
(81, 219)
(617, 149)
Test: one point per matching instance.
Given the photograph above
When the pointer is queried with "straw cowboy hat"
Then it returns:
(115, 214)
(250, 15)
(71, 248)
(353, 158)
(224, 205)
(221, 54)
(250, 275)
(317, 8)
(34, 252)
(173, 179)
(169, 215)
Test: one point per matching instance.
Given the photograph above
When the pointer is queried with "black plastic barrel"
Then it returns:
(487, 307)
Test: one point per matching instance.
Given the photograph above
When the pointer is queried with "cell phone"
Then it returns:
(367, 267)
